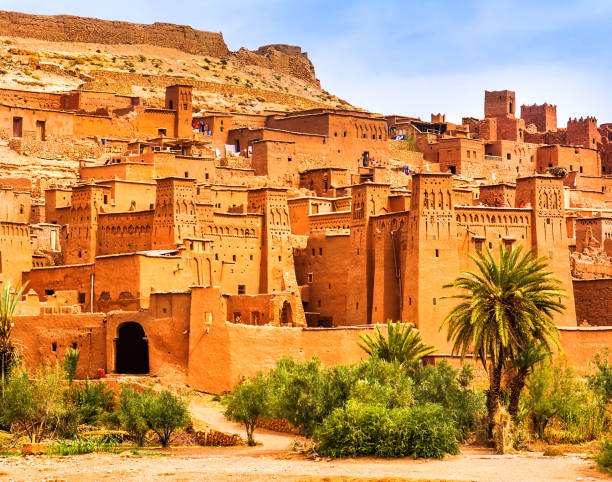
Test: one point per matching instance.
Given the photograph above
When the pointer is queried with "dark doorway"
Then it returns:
(131, 349)
(17, 127)
(286, 315)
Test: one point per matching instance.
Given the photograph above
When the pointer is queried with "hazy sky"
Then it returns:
(409, 57)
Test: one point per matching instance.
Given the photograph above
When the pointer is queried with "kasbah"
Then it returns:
(203, 246)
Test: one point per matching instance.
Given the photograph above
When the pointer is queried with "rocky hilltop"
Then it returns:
(285, 59)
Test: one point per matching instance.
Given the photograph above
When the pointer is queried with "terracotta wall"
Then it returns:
(596, 313)
(47, 337)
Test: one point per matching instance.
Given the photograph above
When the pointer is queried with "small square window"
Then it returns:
(310, 277)
(233, 257)
(241, 289)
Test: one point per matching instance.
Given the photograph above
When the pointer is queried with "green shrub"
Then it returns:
(132, 413)
(554, 392)
(604, 457)
(80, 446)
(379, 382)
(71, 360)
(305, 393)
(35, 405)
(248, 402)
(359, 429)
(601, 380)
(165, 413)
(92, 401)
(450, 388)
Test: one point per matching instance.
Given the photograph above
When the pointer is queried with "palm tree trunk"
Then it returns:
(494, 393)
(516, 387)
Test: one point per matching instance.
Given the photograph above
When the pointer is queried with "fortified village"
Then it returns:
(202, 244)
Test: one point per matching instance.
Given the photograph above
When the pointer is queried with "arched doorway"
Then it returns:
(286, 315)
(131, 349)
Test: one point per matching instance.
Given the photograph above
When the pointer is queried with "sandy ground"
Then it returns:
(270, 461)
(245, 464)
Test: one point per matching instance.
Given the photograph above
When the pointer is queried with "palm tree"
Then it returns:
(505, 306)
(8, 304)
(521, 367)
(402, 343)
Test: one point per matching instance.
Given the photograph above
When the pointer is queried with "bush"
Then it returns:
(604, 457)
(80, 446)
(601, 380)
(248, 402)
(34, 406)
(379, 382)
(305, 393)
(450, 388)
(165, 413)
(359, 429)
(555, 393)
(92, 401)
(132, 413)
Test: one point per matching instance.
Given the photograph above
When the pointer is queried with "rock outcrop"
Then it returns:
(284, 59)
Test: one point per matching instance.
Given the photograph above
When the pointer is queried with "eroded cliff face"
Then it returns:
(285, 59)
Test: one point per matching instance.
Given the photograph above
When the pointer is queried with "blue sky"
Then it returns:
(409, 57)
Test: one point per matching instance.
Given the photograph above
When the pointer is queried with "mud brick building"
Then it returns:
(203, 248)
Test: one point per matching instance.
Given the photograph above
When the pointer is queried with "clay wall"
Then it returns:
(124, 232)
(597, 313)
(461, 156)
(57, 124)
(166, 326)
(581, 343)
(45, 237)
(215, 343)
(573, 158)
(15, 251)
(324, 181)
(237, 251)
(263, 309)
(31, 99)
(497, 195)
(499, 103)
(46, 281)
(128, 195)
(518, 159)
(47, 337)
(15, 206)
(583, 132)
(543, 116)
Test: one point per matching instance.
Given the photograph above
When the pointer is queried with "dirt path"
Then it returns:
(185, 464)
(271, 442)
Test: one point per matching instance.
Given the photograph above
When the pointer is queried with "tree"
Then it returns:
(165, 413)
(8, 304)
(505, 306)
(522, 366)
(248, 402)
(132, 413)
(402, 343)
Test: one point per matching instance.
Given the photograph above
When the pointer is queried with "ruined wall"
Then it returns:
(66, 28)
